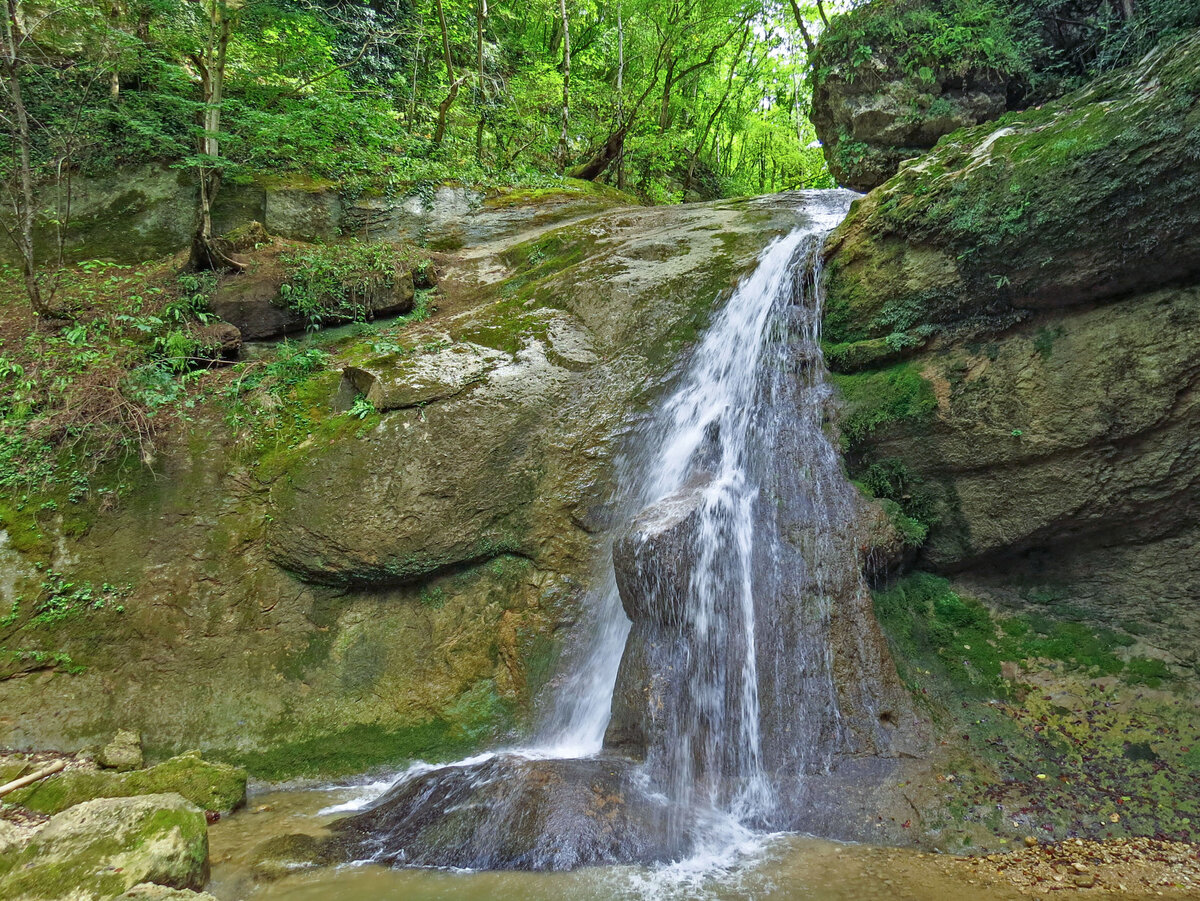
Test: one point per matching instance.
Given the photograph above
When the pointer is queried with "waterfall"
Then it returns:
(733, 655)
(718, 395)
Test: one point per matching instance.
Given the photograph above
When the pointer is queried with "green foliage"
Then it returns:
(341, 279)
(60, 599)
(910, 505)
(949, 37)
(1022, 40)
(350, 94)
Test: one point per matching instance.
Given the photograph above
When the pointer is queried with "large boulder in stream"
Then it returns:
(1015, 318)
(514, 813)
(100, 849)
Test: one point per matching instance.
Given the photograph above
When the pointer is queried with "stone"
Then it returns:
(211, 785)
(12, 837)
(536, 815)
(124, 752)
(99, 849)
(219, 342)
(284, 854)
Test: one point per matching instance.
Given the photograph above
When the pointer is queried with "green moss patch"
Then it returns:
(207, 784)
(362, 747)
(935, 627)
(873, 399)
(1050, 726)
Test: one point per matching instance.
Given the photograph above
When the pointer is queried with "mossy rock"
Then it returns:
(102, 848)
(1069, 203)
(209, 785)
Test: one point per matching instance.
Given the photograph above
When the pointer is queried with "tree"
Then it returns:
(23, 201)
(44, 149)
(563, 149)
(210, 61)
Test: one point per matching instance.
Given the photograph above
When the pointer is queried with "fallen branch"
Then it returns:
(32, 778)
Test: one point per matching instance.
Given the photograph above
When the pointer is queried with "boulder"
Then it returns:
(212, 786)
(124, 752)
(514, 813)
(218, 342)
(100, 849)
(987, 227)
(255, 301)
(869, 125)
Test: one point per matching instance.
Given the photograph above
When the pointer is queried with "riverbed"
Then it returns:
(772, 867)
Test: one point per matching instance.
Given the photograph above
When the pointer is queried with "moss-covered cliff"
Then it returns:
(368, 546)
(1037, 276)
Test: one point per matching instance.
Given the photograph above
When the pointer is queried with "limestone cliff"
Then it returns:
(1015, 316)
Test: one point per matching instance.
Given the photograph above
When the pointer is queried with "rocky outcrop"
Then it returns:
(209, 785)
(275, 294)
(146, 212)
(892, 77)
(513, 813)
(102, 849)
(988, 226)
(1037, 277)
(486, 452)
(871, 122)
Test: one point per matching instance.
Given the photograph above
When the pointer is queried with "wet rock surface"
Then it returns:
(511, 812)
(441, 545)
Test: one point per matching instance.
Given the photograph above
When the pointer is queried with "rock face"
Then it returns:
(536, 815)
(99, 849)
(986, 227)
(149, 211)
(869, 124)
(395, 586)
(1021, 270)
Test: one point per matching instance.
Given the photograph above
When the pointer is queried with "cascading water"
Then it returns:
(753, 661)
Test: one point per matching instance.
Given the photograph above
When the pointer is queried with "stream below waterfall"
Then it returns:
(764, 867)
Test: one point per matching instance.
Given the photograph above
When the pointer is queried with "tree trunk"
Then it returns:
(737, 56)
(809, 46)
(480, 26)
(664, 110)
(412, 94)
(205, 252)
(448, 101)
(23, 203)
(620, 95)
(566, 104)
